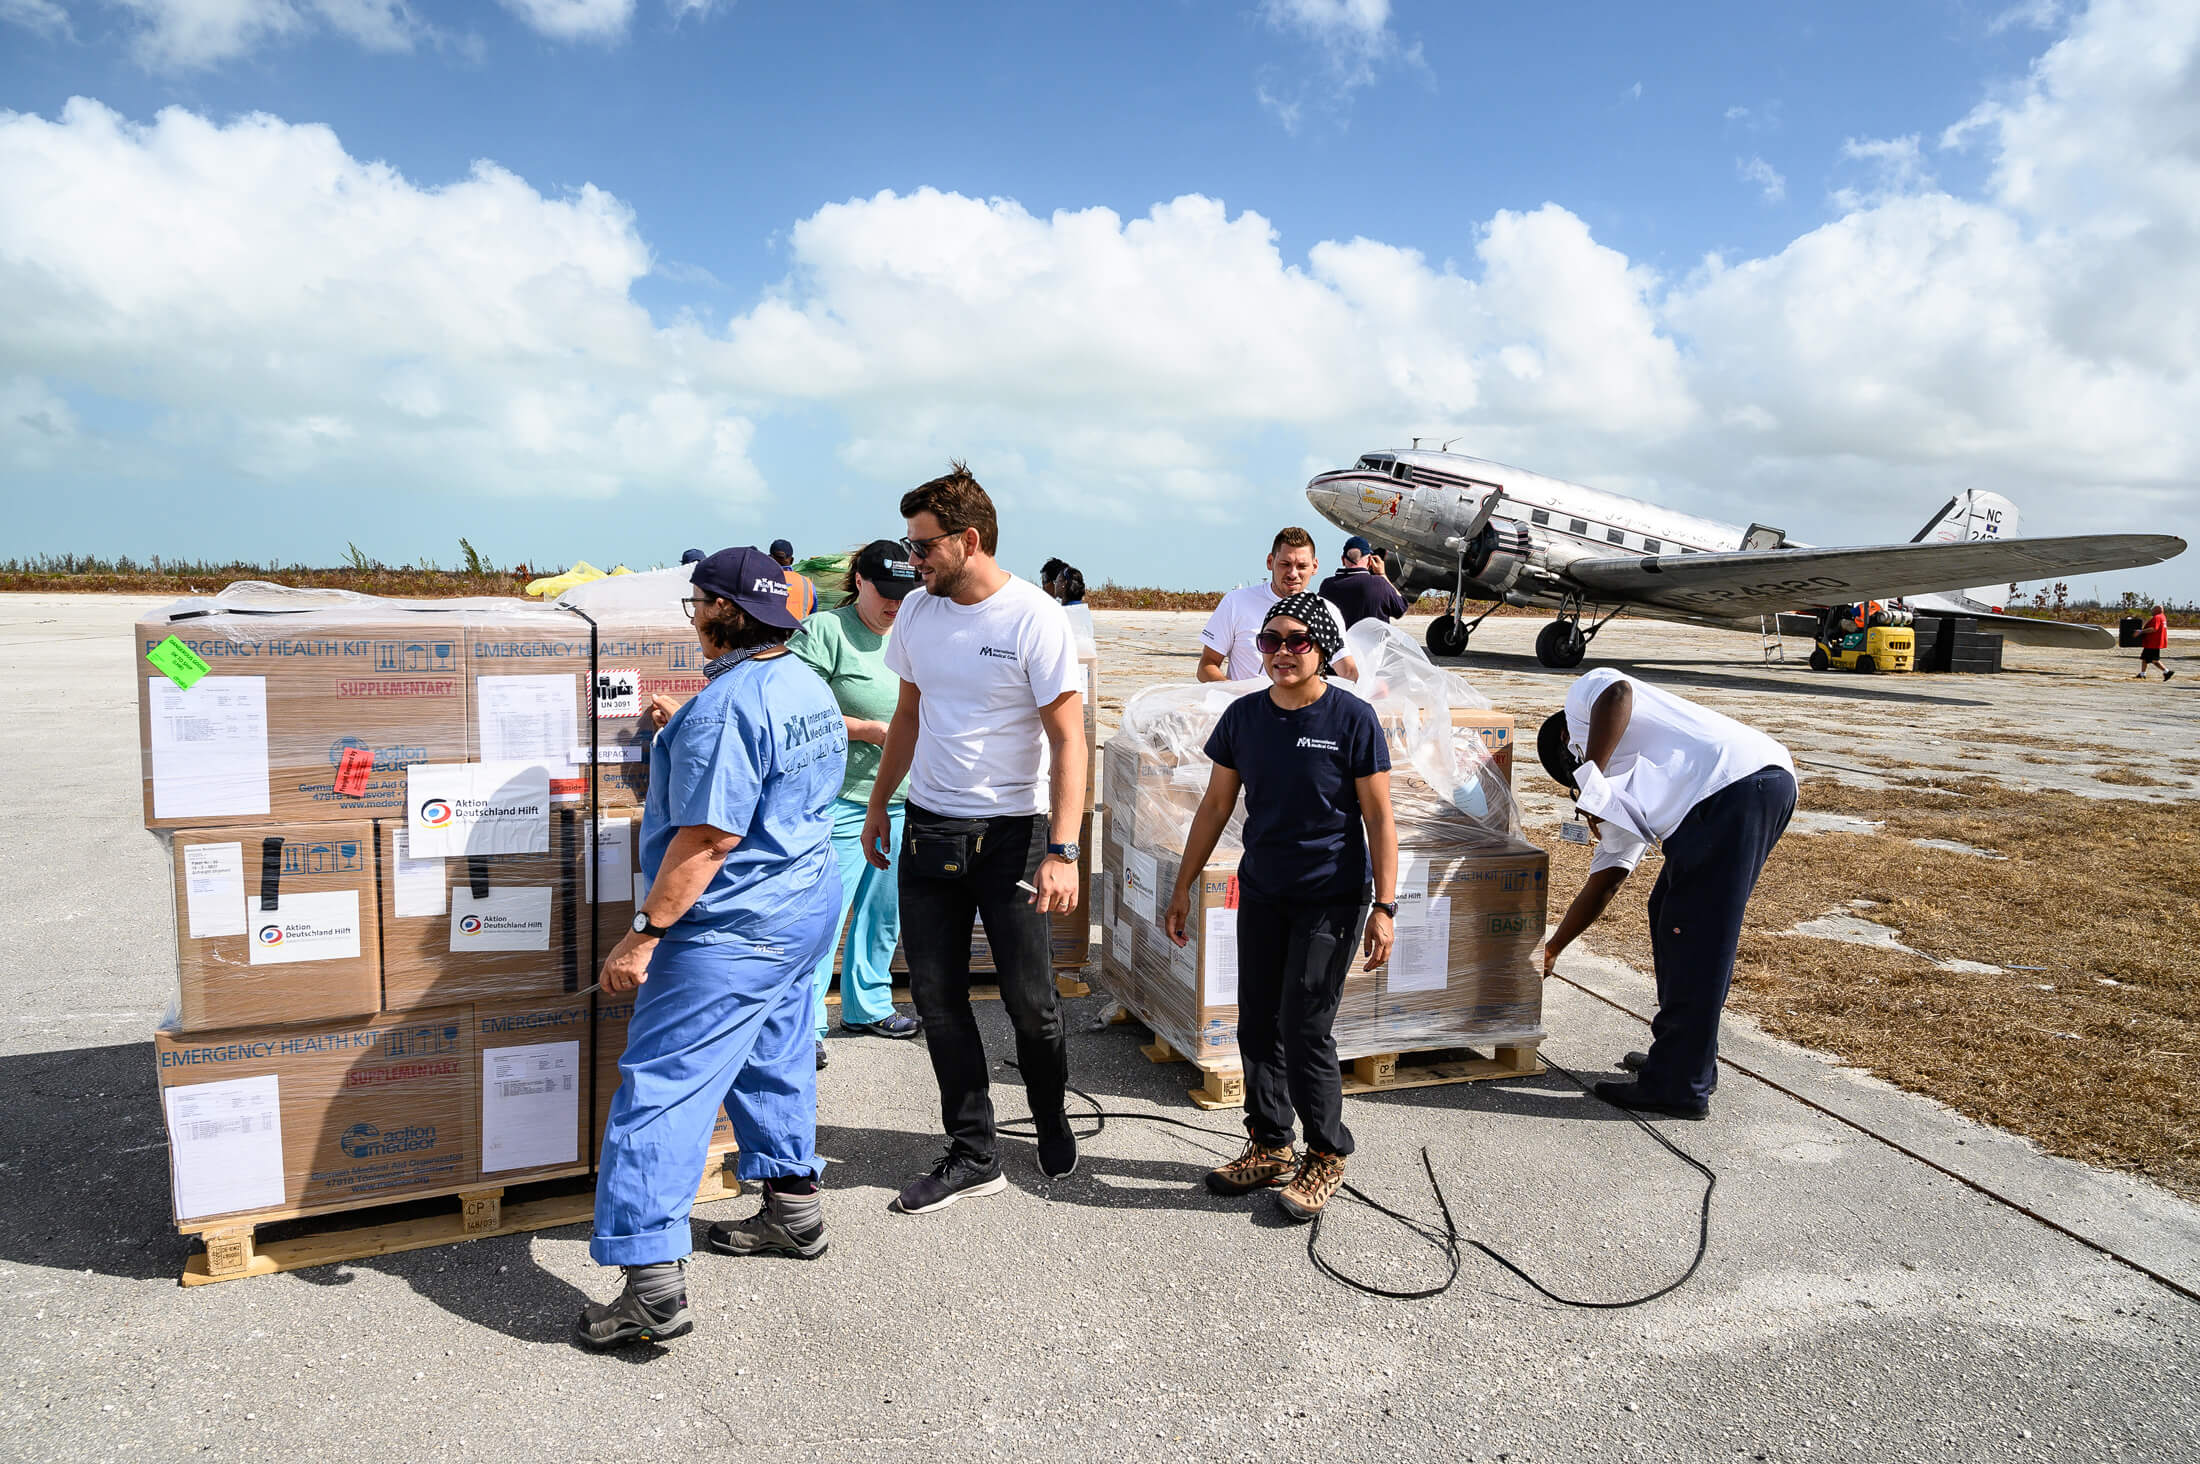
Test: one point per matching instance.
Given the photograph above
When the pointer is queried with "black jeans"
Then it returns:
(936, 916)
(1292, 959)
(1712, 861)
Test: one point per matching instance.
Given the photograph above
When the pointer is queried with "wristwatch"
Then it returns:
(1389, 908)
(1066, 852)
(643, 927)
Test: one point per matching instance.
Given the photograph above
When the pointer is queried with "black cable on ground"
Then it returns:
(1446, 1241)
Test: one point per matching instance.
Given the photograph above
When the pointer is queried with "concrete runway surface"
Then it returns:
(1856, 1303)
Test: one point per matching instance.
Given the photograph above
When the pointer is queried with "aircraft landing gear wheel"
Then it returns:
(1447, 636)
(1818, 660)
(1561, 645)
(1867, 664)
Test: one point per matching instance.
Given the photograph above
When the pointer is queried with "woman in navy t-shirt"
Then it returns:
(1316, 773)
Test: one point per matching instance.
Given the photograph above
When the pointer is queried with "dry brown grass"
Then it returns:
(2128, 778)
(2091, 893)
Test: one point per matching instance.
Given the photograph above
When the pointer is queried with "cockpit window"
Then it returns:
(1376, 463)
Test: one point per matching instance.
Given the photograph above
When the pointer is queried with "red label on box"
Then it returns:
(1230, 897)
(351, 772)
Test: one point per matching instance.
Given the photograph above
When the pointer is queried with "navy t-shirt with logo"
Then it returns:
(1303, 838)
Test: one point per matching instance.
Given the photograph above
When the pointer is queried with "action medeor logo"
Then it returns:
(271, 935)
(470, 924)
(435, 813)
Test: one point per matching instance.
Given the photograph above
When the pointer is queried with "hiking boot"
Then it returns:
(1259, 1167)
(1320, 1176)
(893, 1024)
(784, 1225)
(642, 1312)
(1057, 1147)
(1638, 1099)
(950, 1180)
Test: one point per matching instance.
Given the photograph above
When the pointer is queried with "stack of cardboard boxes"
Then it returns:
(1472, 900)
(381, 984)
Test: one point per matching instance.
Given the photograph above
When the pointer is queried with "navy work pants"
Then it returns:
(1712, 861)
(1292, 960)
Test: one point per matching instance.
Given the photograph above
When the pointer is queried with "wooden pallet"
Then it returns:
(232, 1251)
(1222, 1085)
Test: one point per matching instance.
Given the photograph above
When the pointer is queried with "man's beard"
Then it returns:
(945, 582)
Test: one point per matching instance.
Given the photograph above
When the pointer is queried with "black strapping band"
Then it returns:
(477, 875)
(271, 872)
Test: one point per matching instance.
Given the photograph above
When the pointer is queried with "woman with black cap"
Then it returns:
(1319, 842)
(847, 647)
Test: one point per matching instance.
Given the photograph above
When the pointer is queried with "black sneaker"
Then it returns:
(822, 1059)
(894, 1024)
(1635, 1062)
(950, 1180)
(1057, 1147)
(1635, 1097)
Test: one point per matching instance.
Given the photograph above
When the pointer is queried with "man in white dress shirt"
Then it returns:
(1646, 767)
(1226, 644)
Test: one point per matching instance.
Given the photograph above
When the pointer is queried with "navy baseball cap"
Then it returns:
(782, 546)
(1356, 542)
(886, 565)
(754, 581)
(691, 556)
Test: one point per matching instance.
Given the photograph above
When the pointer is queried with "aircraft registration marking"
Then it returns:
(1769, 587)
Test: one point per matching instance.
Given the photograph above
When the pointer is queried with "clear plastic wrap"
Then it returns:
(1473, 894)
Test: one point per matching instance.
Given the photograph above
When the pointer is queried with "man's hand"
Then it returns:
(1176, 920)
(860, 730)
(628, 964)
(1382, 934)
(1550, 959)
(878, 837)
(661, 708)
(1057, 881)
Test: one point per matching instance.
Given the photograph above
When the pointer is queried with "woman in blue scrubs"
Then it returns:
(744, 899)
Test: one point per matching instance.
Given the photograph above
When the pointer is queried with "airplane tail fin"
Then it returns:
(1973, 514)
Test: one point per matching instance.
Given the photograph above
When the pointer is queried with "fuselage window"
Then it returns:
(1540, 516)
(1615, 536)
(1652, 546)
(1579, 526)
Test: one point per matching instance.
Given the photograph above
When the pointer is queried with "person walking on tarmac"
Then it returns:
(2153, 640)
(1646, 767)
(990, 729)
(1226, 643)
(847, 647)
(1319, 841)
(743, 900)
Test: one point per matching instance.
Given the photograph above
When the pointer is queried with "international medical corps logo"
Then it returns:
(435, 813)
(470, 924)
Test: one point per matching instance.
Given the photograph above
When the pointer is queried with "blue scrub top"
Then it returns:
(761, 752)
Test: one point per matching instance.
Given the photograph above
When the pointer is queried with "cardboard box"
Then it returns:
(530, 686)
(613, 1013)
(263, 736)
(318, 1117)
(316, 956)
(536, 1070)
(508, 927)
(1495, 729)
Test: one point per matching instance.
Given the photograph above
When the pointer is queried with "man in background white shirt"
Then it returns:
(1647, 767)
(990, 728)
(1226, 645)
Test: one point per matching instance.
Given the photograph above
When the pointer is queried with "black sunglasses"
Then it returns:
(1298, 643)
(921, 549)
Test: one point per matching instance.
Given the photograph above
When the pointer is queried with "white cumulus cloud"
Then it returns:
(287, 309)
(1768, 179)
(575, 20)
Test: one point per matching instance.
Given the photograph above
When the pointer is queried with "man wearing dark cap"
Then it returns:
(847, 647)
(1358, 591)
(743, 899)
(782, 552)
(1647, 768)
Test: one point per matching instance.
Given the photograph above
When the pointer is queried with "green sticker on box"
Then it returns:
(178, 662)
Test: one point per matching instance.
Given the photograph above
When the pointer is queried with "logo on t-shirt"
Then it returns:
(998, 653)
(1318, 744)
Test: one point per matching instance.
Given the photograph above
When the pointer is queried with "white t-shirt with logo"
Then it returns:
(1238, 619)
(983, 672)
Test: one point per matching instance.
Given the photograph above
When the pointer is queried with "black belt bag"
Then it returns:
(942, 848)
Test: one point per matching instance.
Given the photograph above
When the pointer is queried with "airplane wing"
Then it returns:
(1764, 581)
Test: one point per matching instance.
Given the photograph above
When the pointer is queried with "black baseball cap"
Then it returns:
(754, 581)
(782, 546)
(886, 565)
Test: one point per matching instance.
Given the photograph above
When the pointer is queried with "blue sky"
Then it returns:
(1539, 192)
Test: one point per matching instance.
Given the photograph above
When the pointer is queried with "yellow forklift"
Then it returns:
(1868, 637)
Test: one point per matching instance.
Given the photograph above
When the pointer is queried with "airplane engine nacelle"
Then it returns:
(1496, 558)
(1412, 576)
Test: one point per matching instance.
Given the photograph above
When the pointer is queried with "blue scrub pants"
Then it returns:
(721, 1022)
(867, 960)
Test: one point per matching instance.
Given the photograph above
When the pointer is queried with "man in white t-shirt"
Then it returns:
(1226, 645)
(990, 730)
(1647, 767)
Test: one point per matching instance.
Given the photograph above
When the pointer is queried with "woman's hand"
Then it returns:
(1177, 918)
(1381, 935)
(661, 708)
(860, 730)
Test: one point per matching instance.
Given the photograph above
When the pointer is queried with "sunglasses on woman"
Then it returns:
(1298, 643)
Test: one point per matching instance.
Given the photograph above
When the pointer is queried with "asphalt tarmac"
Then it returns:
(1855, 1302)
